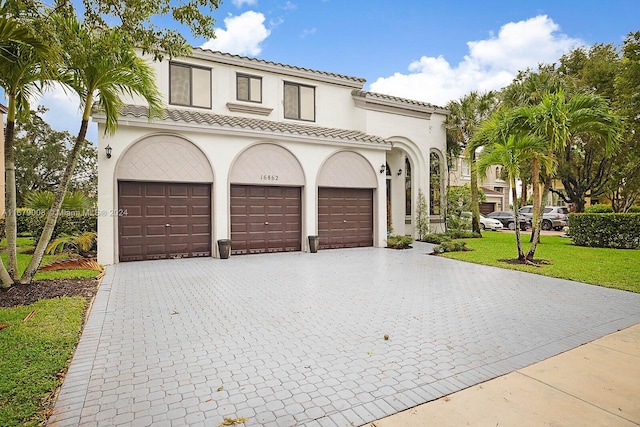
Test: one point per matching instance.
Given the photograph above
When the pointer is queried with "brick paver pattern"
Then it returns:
(297, 339)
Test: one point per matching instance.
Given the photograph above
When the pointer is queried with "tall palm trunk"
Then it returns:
(475, 203)
(54, 212)
(514, 195)
(536, 222)
(11, 227)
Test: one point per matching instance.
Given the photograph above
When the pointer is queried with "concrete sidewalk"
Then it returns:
(597, 384)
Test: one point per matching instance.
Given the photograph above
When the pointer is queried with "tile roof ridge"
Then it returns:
(221, 120)
(279, 64)
(377, 95)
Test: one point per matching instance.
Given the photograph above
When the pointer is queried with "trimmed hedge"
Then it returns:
(608, 209)
(68, 223)
(605, 230)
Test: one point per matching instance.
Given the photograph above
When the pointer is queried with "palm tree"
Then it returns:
(509, 148)
(465, 116)
(558, 119)
(26, 65)
(100, 66)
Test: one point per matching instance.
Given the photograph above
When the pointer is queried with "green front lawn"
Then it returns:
(613, 268)
(37, 350)
(26, 245)
(34, 352)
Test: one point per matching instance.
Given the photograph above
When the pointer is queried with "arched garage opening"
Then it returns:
(266, 201)
(346, 184)
(164, 200)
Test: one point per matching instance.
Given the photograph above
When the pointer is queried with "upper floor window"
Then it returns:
(189, 85)
(466, 170)
(299, 102)
(407, 187)
(249, 88)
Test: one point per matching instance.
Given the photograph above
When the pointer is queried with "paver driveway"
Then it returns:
(297, 338)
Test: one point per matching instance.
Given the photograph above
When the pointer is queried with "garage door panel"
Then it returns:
(155, 210)
(143, 232)
(273, 223)
(345, 217)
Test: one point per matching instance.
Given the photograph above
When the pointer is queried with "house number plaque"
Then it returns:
(269, 177)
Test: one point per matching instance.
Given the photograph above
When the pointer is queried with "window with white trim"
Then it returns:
(189, 85)
(299, 102)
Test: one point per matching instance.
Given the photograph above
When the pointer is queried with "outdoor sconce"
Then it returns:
(108, 149)
(399, 172)
(382, 168)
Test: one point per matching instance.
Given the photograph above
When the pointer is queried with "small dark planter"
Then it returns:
(314, 242)
(224, 248)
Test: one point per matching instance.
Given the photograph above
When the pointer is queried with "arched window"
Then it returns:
(497, 172)
(435, 184)
(407, 187)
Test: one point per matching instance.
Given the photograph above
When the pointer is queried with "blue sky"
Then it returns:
(425, 50)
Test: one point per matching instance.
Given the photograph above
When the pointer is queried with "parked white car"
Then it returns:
(485, 223)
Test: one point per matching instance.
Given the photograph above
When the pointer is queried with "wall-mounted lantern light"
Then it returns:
(108, 149)
(399, 172)
(382, 168)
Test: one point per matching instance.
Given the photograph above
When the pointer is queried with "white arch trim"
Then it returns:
(347, 169)
(267, 164)
(164, 157)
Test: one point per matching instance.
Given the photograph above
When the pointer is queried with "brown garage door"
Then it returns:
(163, 220)
(487, 208)
(345, 217)
(265, 219)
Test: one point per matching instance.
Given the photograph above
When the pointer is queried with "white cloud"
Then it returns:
(307, 32)
(240, 3)
(490, 64)
(290, 6)
(242, 36)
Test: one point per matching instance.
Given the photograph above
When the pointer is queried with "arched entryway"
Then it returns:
(346, 185)
(164, 200)
(266, 200)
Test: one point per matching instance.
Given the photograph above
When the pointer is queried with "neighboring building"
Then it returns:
(496, 189)
(3, 111)
(264, 154)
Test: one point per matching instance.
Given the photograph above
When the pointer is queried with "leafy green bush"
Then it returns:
(68, 223)
(598, 209)
(463, 234)
(608, 209)
(436, 238)
(22, 215)
(399, 242)
(43, 200)
(606, 230)
(451, 246)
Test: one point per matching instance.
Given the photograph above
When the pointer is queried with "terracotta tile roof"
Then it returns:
(395, 99)
(491, 192)
(222, 121)
(359, 80)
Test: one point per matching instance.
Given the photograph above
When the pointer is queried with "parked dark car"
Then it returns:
(554, 217)
(508, 219)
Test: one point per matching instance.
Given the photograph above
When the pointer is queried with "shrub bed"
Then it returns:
(606, 230)
(399, 242)
(68, 223)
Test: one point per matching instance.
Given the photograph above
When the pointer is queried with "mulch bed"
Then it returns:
(46, 289)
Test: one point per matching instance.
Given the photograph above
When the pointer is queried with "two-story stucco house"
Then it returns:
(264, 154)
(496, 189)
